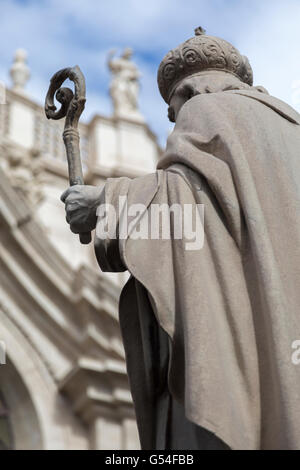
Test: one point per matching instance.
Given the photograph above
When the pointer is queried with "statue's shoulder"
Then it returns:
(233, 102)
(277, 105)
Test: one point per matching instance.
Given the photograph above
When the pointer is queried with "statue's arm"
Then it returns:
(110, 62)
(106, 209)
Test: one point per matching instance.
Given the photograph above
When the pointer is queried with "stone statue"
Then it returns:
(209, 327)
(124, 87)
(19, 71)
(25, 171)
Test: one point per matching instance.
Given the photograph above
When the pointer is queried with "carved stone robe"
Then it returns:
(208, 334)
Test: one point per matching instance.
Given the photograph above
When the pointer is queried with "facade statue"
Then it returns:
(25, 172)
(208, 324)
(124, 87)
(19, 71)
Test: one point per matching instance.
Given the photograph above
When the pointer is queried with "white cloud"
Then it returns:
(273, 46)
(60, 33)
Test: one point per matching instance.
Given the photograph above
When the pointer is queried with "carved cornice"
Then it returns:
(98, 389)
(76, 311)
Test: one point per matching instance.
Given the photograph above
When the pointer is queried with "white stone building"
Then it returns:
(64, 384)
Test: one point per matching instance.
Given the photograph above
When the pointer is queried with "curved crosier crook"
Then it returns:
(72, 106)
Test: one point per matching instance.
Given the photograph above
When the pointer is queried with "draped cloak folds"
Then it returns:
(231, 310)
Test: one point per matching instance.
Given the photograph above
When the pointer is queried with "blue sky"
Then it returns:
(61, 33)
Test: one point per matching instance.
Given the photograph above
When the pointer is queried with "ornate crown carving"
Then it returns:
(199, 54)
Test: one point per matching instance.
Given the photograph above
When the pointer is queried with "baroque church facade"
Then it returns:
(63, 384)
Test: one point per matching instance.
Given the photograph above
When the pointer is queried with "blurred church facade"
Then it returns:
(64, 384)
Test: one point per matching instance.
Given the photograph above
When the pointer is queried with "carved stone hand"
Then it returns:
(81, 203)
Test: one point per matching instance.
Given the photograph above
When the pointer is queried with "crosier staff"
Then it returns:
(72, 106)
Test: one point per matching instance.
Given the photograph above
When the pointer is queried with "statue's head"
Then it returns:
(127, 53)
(202, 64)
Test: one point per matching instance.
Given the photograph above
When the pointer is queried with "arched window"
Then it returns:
(6, 439)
